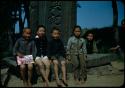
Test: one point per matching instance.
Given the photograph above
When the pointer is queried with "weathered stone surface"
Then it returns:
(53, 13)
(100, 59)
(104, 70)
(94, 60)
(10, 61)
(3, 75)
(100, 74)
(118, 65)
(33, 15)
(92, 81)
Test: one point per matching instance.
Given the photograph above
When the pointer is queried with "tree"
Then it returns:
(115, 27)
(115, 20)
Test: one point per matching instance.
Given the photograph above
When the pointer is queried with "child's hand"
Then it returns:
(20, 55)
(85, 56)
(68, 58)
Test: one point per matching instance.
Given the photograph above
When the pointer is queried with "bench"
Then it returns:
(92, 60)
(13, 69)
(10, 62)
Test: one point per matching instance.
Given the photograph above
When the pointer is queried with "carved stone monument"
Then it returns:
(53, 13)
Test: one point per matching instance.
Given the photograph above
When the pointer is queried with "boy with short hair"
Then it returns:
(25, 46)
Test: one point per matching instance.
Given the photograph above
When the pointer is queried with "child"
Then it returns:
(41, 58)
(76, 49)
(25, 46)
(56, 53)
(90, 43)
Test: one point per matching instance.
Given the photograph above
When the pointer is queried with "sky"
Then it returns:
(17, 23)
(97, 14)
(92, 14)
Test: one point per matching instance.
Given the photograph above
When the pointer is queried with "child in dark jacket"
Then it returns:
(42, 60)
(56, 53)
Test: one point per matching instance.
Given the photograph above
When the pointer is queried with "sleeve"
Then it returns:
(48, 49)
(46, 45)
(84, 47)
(36, 42)
(95, 49)
(68, 46)
(15, 48)
(63, 50)
(34, 49)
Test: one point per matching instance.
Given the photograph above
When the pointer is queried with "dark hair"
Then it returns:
(89, 32)
(77, 26)
(26, 28)
(39, 26)
(55, 28)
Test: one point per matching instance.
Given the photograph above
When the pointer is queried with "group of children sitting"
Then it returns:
(43, 53)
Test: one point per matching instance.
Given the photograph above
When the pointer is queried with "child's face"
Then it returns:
(41, 32)
(77, 32)
(90, 37)
(56, 34)
(27, 34)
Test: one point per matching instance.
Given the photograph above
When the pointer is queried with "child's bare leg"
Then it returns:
(56, 71)
(30, 67)
(63, 63)
(63, 70)
(47, 64)
(47, 70)
(23, 72)
(41, 68)
(76, 78)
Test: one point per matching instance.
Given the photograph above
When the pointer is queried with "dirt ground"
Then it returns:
(103, 76)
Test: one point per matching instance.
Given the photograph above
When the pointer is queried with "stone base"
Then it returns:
(94, 60)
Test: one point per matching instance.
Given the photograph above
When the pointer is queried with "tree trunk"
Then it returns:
(115, 26)
(115, 20)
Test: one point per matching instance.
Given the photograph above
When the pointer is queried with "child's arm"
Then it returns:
(84, 48)
(63, 51)
(68, 46)
(34, 49)
(68, 49)
(95, 49)
(15, 49)
(49, 50)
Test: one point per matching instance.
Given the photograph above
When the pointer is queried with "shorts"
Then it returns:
(41, 58)
(25, 60)
(60, 58)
